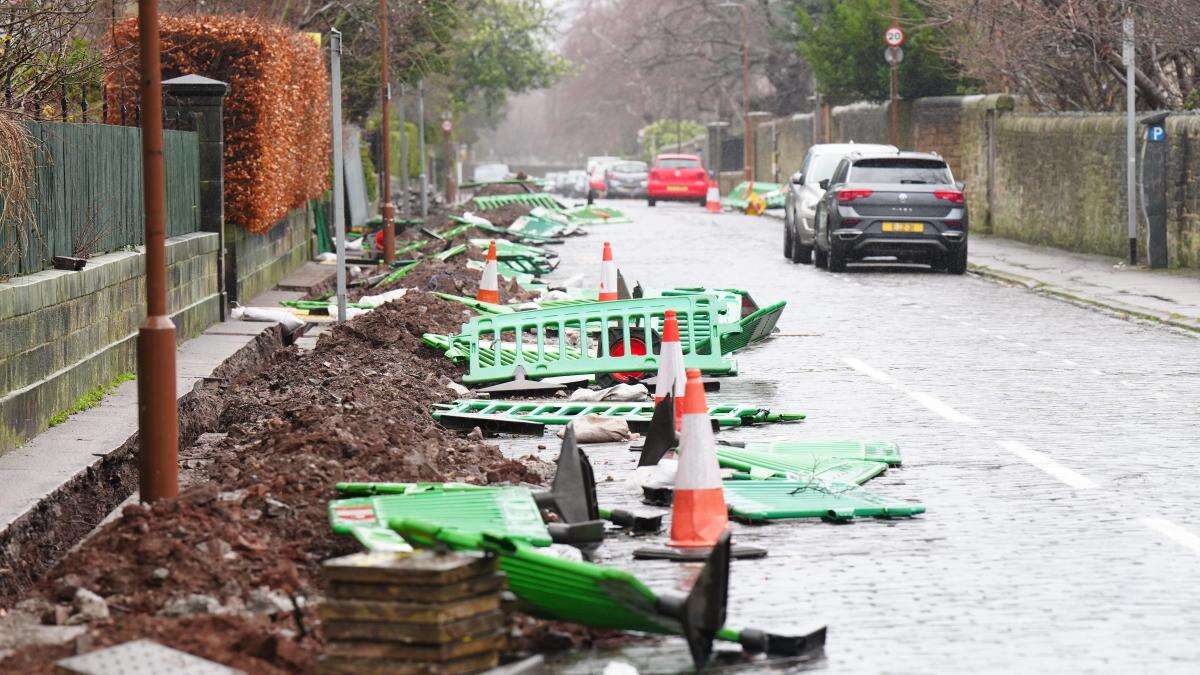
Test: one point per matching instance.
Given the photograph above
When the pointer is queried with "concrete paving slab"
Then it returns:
(273, 298)
(1169, 296)
(311, 275)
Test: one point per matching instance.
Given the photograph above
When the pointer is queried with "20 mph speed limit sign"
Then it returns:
(894, 36)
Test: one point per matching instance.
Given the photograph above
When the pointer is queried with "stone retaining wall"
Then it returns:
(65, 333)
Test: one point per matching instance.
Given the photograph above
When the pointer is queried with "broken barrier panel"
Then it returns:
(509, 510)
(609, 337)
(542, 199)
(774, 194)
(519, 257)
(465, 413)
(525, 280)
(887, 452)
(591, 214)
(607, 597)
(849, 471)
(757, 501)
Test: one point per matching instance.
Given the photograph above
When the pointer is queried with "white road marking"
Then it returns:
(1050, 466)
(1071, 363)
(1022, 345)
(927, 400)
(1097, 371)
(940, 408)
(877, 375)
(1178, 533)
(1043, 352)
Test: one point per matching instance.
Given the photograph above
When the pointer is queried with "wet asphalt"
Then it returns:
(1055, 448)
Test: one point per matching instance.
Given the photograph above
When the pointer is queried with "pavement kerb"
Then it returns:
(1107, 306)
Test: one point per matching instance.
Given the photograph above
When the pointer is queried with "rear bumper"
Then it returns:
(858, 244)
(664, 191)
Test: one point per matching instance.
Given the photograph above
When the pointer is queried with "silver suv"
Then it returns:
(804, 192)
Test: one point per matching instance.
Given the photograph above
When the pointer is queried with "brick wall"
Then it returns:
(64, 333)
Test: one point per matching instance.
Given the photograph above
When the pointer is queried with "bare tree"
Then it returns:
(1066, 54)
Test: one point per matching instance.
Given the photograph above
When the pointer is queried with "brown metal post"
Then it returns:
(389, 230)
(158, 423)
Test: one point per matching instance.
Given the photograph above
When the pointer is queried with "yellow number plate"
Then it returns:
(676, 188)
(904, 227)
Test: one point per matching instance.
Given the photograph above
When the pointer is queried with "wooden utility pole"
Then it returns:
(385, 198)
(158, 419)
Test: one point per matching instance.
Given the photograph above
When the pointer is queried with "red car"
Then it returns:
(677, 177)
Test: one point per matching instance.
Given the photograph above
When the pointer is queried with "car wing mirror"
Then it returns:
(798, 178)
(824, 184)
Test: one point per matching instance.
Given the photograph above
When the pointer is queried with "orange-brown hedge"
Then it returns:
(277, 140)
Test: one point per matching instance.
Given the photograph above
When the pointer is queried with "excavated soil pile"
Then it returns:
(224, 571)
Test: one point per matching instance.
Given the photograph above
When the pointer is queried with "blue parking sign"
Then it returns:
(1156, 133)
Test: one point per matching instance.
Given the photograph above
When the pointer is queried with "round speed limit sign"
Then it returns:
(894, 36)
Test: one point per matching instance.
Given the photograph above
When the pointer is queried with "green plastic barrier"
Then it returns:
(559, 413)
(594, 215)
(875, 451)
(773, 194)
(542, 199)
(511, 511)
(451, 252)
(607, 597)
(543, 222)
(525, 280)
(848, 471)
(607, 336)
(396, 275)
(757, 501)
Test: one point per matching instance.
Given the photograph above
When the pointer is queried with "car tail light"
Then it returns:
(847, 196)
(851, 221)
(952, 196)
(956, 224)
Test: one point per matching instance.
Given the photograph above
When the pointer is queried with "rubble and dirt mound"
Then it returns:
(514, 188)
(356, 408)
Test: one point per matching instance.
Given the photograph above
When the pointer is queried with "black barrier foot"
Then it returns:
(702, 612)
(521, 386)
(710, 383)
(587, 532)
(634, 521)
(759, 642)
(660, 438)
(678, 554)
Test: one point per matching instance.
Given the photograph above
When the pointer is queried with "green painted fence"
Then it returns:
(87, 192)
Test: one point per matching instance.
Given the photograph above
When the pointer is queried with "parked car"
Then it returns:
(902, 205)
(627, 179)
(577, 182)
(804, 192)
(677, 177)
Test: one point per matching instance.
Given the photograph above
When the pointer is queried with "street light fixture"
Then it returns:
(747, 167)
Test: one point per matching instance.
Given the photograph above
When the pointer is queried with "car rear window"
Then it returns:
(900, 170)
(630, 167)
(678, 163)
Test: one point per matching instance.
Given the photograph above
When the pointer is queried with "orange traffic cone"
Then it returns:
(713, 200)
(489, 287)
(698, 515)
(671, 378)
(608, 275)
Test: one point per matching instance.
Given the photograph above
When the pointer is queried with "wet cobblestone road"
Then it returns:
(1055, 448)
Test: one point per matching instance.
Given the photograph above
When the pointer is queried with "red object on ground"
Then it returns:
(679, 177)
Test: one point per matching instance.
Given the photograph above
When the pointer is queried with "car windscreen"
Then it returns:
(629, 167)
(900, 170)
(821, 168)
(678, 163)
